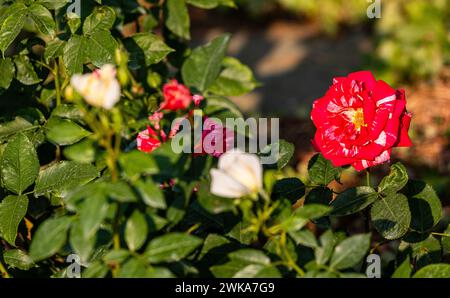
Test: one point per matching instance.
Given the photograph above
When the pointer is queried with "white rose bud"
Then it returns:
(100, 88)
(238, 174)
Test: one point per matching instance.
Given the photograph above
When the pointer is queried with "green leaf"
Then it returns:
(133, 268)
(391, 216)
(137, 163)
(83, 152)
(350, 252)
(281, 153)
(319, 195)
(54, 48)
(151, 194)
(177, 19)
(234, 80)
(101, 19)
(8, 72)
(53, 4)
(303, 215)
(12, 25)
(68, 111)
(251, 256)
(425, 206)
(434, 271)
(222, 108)
(64, 132)
(228, 269)
(64, 176)
(19, 164)
(42, 18)
(92, 213)
(203, 66)
(209, 4)
(395, 181)
(95, 270)
(25, 71)
(120, 191)
(404, 270)
(353, 200)
(136, 231)
(146, 49)
(426, 252)
(12, 211)
(17, 258)
(101, 47)
(49, 238)
(83, 246)
(321, 170)
(258, 271)
(304, 237)
(75, 54)
(324, 251)
(289, 188)
(205, 4)
(445, 241)
(18, 125)
(171, 247)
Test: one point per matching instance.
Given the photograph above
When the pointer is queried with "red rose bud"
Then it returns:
(197, 99)
(147, 140)
(176, 96)
(360, 120)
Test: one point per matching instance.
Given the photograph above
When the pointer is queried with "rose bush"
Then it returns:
(88, 171)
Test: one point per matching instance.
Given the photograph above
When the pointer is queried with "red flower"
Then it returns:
(360, 120)
(216, 139)
(176, 96)
(147, 140)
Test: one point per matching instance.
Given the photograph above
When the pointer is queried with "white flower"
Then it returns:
(100, 88)
(238, 174)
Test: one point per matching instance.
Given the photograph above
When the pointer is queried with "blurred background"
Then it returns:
(296, 47)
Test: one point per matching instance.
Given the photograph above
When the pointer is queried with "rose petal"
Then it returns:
(403, 139)
(364, 76)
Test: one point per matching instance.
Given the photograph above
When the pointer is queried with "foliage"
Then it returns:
(72, 181)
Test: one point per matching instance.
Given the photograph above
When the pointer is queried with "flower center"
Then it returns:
(358, 119)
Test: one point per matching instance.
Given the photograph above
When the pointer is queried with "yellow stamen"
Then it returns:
(358, 119)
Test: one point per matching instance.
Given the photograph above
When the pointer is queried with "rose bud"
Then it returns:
(147, 140)
(176, 96)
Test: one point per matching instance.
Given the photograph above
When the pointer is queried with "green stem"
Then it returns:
(367, 178)
(290, 261)
(440, 234)
(57, 84)
(3, 271)
(264, 195)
